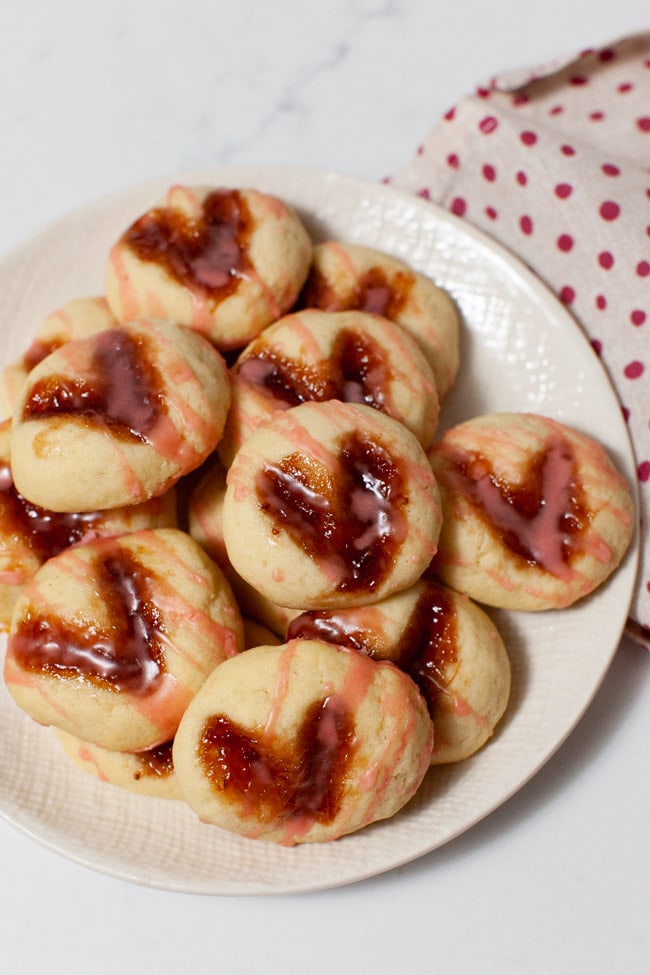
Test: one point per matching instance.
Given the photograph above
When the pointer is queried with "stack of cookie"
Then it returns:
(238, 565)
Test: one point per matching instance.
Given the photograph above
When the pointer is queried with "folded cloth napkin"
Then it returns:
(555, 164)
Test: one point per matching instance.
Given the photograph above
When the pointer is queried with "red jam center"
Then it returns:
(46, 532)
(542, 518)
(356, 372)
(282, 781)
(355, 525)
(155, 762)
(429, 645)
(207, 253)
(374, 292)
(122, 389)
(123, 654)
(340, 628)
(427, 650)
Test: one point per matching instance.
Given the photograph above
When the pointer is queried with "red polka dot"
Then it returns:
(424, 193)
(526, 224)
(556, 110)
(489, 172)
(519, 99)
(562, 190)
(567, 294)
(528, 138)
(644, 470)
(578, 79)
(458, 206)
(597, 346)
(565, 242)
(607, 54)
(643, 123)
(449, 115)
(483, 92)
(522, 179)
(609, 210)
(643, 269)
(491, 213)
(606, 260)
(624, 87)
(610, 169)
(568, 150)
(488, 124)
(601, 302)
(634, 369)
(453, 161)
(638, 317)
(596, 116)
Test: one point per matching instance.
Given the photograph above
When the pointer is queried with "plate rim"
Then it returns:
(235, 175)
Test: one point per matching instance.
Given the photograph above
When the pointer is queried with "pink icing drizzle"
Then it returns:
(546, 525)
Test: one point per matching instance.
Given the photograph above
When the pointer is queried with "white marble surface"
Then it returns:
(95, 97)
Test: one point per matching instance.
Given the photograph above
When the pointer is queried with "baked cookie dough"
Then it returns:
(117, 418)
(445, 642)
(110, 640)
(258, 635)
(74, 320)
(536, 515)
(226, 262)
(345, 276)
(330, 504)
(302, 742)
(148, 773)
(205, 511)
(315, 356)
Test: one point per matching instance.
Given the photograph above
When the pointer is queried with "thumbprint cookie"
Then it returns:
(314, 356)
(111, 639)
(536, 514)
(345, 276)
(446, 643)
(330, 504)
(302, 742)
(226, 262)
(29, 535)
(74, 320)
(118, 417)
(148, 773)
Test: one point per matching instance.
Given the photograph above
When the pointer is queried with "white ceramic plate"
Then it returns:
(521, 351)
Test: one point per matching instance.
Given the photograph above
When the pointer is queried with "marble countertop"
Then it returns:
(95, 98)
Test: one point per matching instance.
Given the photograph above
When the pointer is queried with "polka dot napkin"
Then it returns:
(555, 165)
